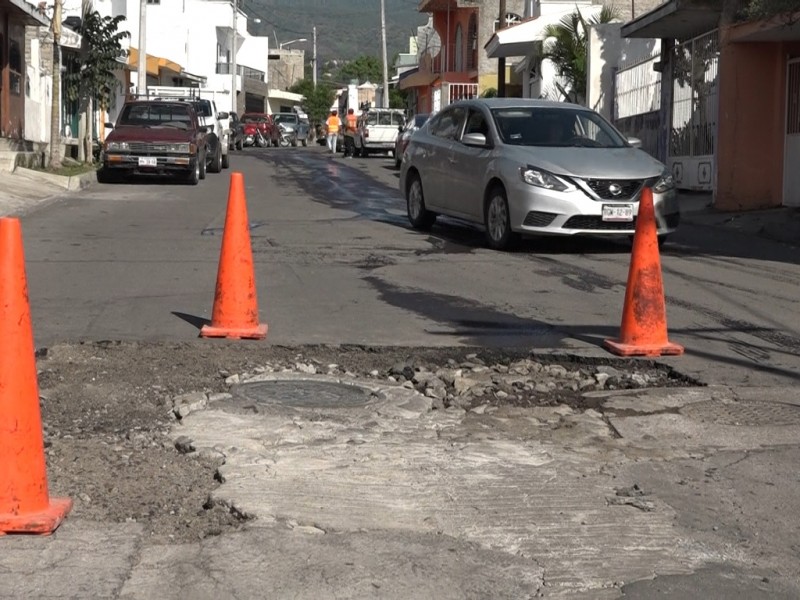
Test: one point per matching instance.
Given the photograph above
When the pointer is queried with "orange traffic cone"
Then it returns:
(25, 505)
(235, 313)
(644, 316)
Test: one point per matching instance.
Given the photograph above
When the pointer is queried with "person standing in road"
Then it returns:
(351, 124)
(332, 127)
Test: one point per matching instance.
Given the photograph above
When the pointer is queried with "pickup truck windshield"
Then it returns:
(156, 114)
(285, 118)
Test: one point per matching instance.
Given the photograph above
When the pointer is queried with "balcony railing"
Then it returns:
(224, 68)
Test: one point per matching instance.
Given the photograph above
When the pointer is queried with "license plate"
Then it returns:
(618, 212)
(148, 161)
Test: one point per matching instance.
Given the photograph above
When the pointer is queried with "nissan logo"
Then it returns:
(615, 189)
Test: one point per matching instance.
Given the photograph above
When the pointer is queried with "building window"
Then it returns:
(459, 62)
(15, 68)
(472, 43)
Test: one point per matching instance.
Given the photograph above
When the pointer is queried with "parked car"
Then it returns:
(292, 121)
(217, 124)
(521, 166)
(378, 130)
(261, 121)
(155, 137)
(236, 132)
(404, 133)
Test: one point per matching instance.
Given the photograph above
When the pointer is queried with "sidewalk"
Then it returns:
(24, 190)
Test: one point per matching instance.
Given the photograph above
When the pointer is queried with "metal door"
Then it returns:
(791, 152)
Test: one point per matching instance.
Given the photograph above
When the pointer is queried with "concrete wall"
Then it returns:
(38, 84)
(608, 52)
(287, 71)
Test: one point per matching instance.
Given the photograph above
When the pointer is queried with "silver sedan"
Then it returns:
(531, 167)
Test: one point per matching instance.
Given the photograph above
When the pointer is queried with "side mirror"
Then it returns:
(222, 116)
(474, 139)
(109, 126)
(202, 129)
(635, 142)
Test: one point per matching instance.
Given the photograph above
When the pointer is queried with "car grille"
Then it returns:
(627, 188)
(148, 148)
(537, 218)
(595, 223)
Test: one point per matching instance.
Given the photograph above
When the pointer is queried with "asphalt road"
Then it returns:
(336, 262)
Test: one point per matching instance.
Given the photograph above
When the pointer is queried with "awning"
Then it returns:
(676, 19)
(31, 14)
(776, 29)
(155, 64)
(418, 79)
(522, 39)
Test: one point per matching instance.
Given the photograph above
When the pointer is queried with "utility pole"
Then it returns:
(385, 60)
(501, 62)
(234, 78)
(314, 59)
(141, 87)
(55, 106)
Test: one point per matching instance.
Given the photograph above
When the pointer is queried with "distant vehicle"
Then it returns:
(155, 137)
(404, 135)
(298, 129)
(378, 129)
(252, 122)
(532, 167)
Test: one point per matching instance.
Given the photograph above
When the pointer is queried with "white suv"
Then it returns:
(218, 133)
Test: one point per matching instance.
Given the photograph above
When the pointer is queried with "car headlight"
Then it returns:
(544, 179)
(664, 184)
(117, 146)
(179, 148)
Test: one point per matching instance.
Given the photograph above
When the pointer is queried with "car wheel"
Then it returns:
(239, 145)
(195, 175)
(201, 167)
(419, 216)
(497, 221)
(216, 163)
(305, 143)
(226, 161)
(106, 176)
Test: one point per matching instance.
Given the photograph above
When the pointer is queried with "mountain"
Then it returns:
(345, 28)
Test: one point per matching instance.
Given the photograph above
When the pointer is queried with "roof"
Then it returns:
(676, 19)
(31, 15)
(520, 102)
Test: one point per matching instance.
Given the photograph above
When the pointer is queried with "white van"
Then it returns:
(377, 130)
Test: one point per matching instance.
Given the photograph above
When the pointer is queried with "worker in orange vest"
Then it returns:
(351, 124)
(332, 127)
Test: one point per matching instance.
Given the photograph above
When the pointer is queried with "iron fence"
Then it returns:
(637, 103)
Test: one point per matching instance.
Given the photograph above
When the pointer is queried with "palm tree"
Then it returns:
(566, 46)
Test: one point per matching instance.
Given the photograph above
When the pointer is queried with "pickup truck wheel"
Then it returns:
(201, 166)
(226, 161)
(305, 143)
(104, 175)
(216, 163)
(194, 176)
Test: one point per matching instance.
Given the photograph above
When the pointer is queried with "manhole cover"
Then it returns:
(304, 394)
(743, 413)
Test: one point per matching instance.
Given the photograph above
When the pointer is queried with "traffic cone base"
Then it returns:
(622, 349)
(43, 523)
(254, 333)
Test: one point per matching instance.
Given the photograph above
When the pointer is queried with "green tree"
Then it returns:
(566, 46)
(317, 101)
(95, 81)
(364, 68)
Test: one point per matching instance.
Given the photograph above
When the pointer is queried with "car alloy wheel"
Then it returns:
(497, 221)
(419, 216)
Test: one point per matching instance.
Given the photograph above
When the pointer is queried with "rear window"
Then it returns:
(385, 118)
(285, 118)
(203, 108)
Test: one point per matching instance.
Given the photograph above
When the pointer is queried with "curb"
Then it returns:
(71, 183)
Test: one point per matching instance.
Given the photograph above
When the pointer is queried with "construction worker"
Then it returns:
(332, 127)
(351, 124)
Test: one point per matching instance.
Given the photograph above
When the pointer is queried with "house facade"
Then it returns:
(732, 98)
(15, 80)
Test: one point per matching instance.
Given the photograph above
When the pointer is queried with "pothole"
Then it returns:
(304, 394)
(743, 413)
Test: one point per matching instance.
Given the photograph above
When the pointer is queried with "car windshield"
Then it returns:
(555, 127)
(155, 114)
(253, 119)
(280, 118)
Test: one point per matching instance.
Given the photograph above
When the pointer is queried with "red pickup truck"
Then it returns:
(258, 121)
(156, 137)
